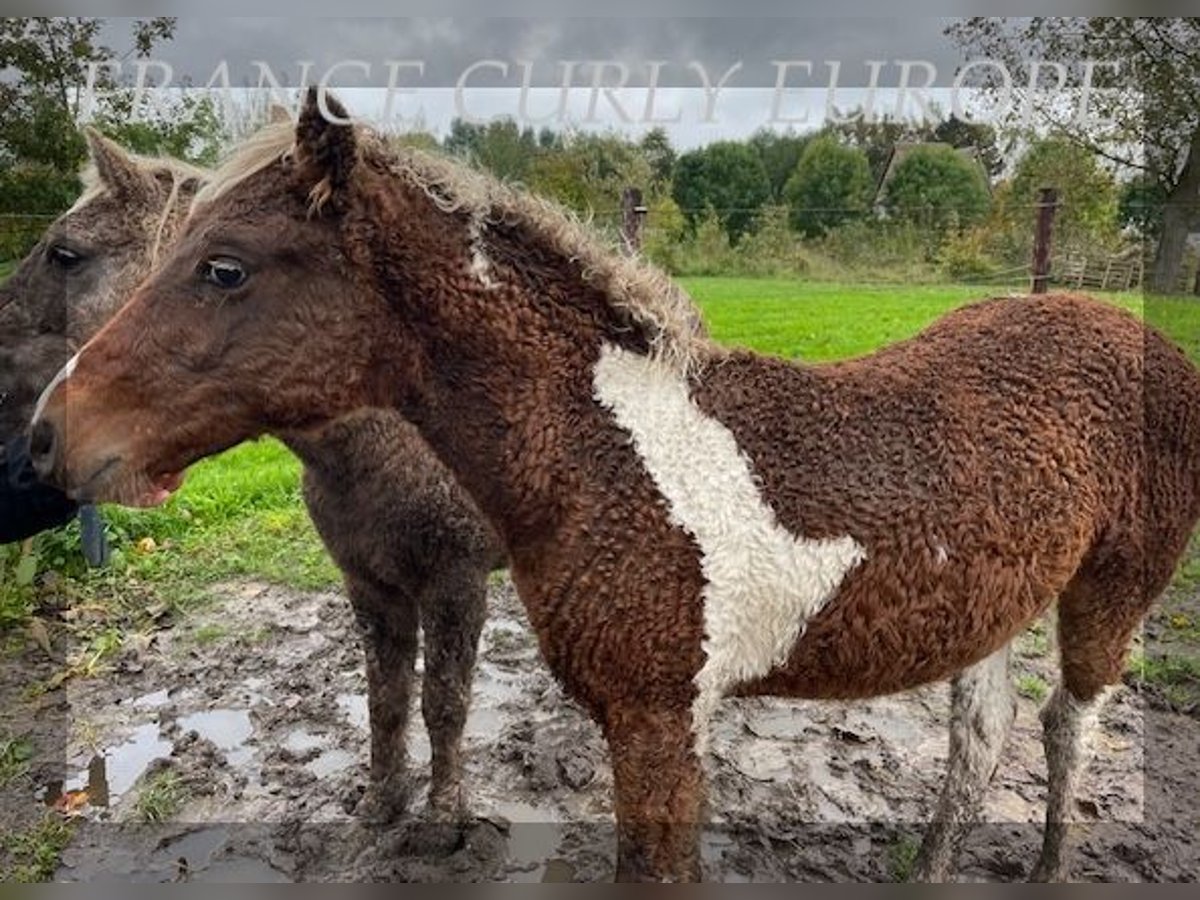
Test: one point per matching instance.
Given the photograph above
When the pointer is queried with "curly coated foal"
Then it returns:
(414, 550)
(683, 522)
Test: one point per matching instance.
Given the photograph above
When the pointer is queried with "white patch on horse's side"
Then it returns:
(63, 374)
(763, 584)
(481, 266)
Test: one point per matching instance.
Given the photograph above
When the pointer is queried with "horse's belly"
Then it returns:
(873, 640)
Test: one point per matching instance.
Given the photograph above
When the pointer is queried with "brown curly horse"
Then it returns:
(683, 522)
(414, 550)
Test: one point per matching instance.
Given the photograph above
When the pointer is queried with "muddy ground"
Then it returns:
(257, 707)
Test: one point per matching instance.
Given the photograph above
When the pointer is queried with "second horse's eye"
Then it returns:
(225, 272)
(64, 257)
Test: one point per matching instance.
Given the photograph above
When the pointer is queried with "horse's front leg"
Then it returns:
(388, 622)
(453, 609)
(659, 784)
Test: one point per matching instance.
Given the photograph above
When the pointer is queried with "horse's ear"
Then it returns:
(118, 171)
(326, 148)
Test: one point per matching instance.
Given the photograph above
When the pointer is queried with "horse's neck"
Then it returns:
(508, 335)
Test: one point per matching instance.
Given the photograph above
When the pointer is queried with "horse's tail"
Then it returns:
(1171, 430)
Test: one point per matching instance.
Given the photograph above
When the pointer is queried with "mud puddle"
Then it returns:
(268, 738)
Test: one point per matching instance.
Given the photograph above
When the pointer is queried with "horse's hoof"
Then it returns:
(447, 805)
(1045, 875)
(385, 804)
(930, 875)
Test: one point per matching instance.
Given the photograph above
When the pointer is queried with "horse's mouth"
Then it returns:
(153, 490)
(160, 489)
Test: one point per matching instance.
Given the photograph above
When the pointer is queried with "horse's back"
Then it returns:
(981, 465)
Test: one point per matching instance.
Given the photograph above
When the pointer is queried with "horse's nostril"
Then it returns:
(42, 444)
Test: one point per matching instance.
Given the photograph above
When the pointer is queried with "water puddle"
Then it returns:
(114, 771)
(153, 700)
(713, 844)
(534, 843)
(329, 761)
(206, 856)
(493, 692)
(354, 707)
(228, 729)
(779, 723)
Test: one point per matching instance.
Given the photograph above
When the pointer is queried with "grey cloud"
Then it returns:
(448, 46)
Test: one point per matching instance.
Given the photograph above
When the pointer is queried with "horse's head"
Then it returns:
(254, 321)
(83, 269)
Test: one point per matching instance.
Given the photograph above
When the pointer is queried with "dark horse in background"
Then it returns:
(28, 358)
(683, 522)
(413, 549)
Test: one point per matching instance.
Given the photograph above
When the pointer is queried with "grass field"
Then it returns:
(241, 513)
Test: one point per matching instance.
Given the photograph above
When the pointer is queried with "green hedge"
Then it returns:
(30, 198)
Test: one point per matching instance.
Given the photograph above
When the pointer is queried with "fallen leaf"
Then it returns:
(147, 545)
(72, 803)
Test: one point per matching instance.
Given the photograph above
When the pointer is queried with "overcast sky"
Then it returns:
(449, 45)
(447, 48)
(831, 61)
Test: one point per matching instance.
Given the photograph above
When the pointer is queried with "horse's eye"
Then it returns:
(64, 257)
(225, 272)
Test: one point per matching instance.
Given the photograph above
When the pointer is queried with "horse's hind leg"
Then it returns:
(452, 614)
(1097, 616)
(982, 708)
(389, 629)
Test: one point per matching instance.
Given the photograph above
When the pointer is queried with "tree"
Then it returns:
(977, 136)
(588, 172)
(727, 177)
(937, 187)
(500, 146)
(1140, 206)
(877, 136)
(656, 147)
(50, 57)
(831, 184)
(780, 154)
(1154, 128)
(1087, 192)
(187, 129)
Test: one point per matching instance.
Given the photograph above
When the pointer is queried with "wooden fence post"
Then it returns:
(1196, 286)
(633, 212)
(1043, 238)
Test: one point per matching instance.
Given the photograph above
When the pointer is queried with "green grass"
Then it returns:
(210, 634)
(902, 857)
(15, 754)
(32, 855)
(815, 321)
(825, 321)
(1032, 687)
(162, 796)
(6, 268)
(1174, 676)
(239, 514)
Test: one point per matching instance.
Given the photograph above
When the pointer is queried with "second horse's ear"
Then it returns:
(118, 171)
(326, 149)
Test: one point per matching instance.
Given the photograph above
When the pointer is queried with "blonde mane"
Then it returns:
(631, 285)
